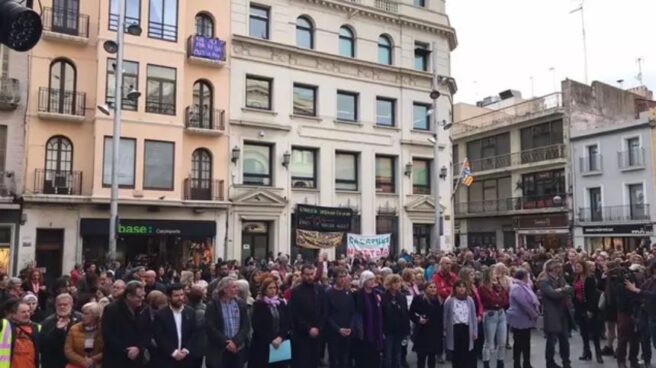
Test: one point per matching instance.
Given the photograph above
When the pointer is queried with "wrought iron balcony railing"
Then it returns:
(496, 206)
(633, 158)
(590, 164)
(637, 212)
(58, 182)
(203, 189)
(553, 152)
(57, 101)
(64, 21)
(205, 118)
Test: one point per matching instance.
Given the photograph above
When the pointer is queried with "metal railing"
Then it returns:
(205, 118)
(521, 110)
(64, 21)
(211, 48)
(168, 32)
(159, 107)
(58, 182)
(592, 163)
(615, 213)
(511, 204)
(631, 158)
(9, 91)
(203, 189)
(63, 102)
(387, 5)
(128, 21)
(553, 152)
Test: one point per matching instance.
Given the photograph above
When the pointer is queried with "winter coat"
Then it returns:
(427, 338)
(524, 306)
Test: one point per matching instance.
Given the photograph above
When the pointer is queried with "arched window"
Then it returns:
(346, 42)
(385, 50)
(201, 115)
(204, 25)
(201, 175)
(57, 176)
(304, 33)
(61, 91)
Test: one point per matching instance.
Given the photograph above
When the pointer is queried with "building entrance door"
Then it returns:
(49, 253)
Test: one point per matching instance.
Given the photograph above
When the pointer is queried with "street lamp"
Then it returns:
(20, 26)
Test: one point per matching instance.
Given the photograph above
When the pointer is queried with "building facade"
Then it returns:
(172, 169)
(330, 107)
(517, 153)
(13, 93)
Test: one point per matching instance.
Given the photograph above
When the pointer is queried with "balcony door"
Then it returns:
(61, 92)
(201, 114)
(637, 202)
(65, 16)
(595, 204)
(201, 175)
(59, 166)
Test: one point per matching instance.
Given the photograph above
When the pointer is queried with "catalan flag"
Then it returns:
(467, 178)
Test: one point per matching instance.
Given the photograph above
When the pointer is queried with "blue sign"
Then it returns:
(208, 48)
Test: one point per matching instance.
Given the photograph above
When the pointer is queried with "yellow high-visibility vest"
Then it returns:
(6, 338)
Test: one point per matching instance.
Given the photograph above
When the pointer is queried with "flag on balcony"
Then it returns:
(467, 178)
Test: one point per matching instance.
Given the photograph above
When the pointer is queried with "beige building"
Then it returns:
(13, 74)
(330, 107)
(173, 166)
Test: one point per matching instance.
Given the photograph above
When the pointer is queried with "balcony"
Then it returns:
(9, 93)
(615, 214)
(591, 165)
(203, 190)
(160, 107)
(633, 159)
(57, 104)
(509, 206)
(65, 26)
(496, 119)
(506, 161)
(209, 51)
(57, 182)
(205, 121)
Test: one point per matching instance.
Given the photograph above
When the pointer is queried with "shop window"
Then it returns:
(5, 247)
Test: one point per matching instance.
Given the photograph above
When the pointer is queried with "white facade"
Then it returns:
(279, 59)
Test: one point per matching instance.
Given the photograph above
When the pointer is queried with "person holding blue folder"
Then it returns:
(271, 329)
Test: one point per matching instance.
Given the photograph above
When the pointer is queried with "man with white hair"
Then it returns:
(444, 279)
(54, 330)
(150, 281)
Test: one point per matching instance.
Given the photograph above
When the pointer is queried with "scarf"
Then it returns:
(272, 302)
(373, 326)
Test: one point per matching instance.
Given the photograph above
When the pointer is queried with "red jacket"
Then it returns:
(493, 297)
(477, 301)
(444, 284)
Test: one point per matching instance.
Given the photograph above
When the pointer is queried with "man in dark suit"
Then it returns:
(228, 324)
(174, 329)
(308, 311)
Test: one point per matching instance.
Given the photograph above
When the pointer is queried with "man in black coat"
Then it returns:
(307, 307)
(340, 312)
(126, 329)
(54, 330)
(174, 330)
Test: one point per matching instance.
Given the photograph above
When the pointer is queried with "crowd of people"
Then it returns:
(459, 306)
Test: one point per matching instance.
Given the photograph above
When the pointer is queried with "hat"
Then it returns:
(636, 267)
(30, 298)
(366, 276)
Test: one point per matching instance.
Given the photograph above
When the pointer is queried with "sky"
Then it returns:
(502, 44)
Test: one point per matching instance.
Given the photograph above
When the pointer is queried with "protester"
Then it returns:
(426, 313)
(84, 344)
(369, 322)
(36, 286)
(271, 325)
(586, 302)
(461, 326)
(308, 313)
(444, 279)
(557, 319)
(174, 331)
(494, 298)
(24, 341)
(396, 321)
(340, 314)
(195, 299)
(36, 314)
(522, 316)
(54, 331)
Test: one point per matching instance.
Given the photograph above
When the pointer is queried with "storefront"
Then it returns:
(150, 242)
(550, 231)
(617, 237)
(9, 224)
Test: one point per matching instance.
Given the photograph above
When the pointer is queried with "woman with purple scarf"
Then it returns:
(522, 317)
(369, 323)
(271, 325)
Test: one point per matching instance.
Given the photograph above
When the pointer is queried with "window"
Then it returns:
(61, 94)
(489, 153)
(66, 16)
(385, 174)
(59, 155)
(257, 164)
(200, 187)
(637, 208)
(163, 20)
(389, 224)
(420, 117)
(634, 151)
(4, 61)
(421, 235)
(544, 185)
(595, 204)
(161, 90)
(421, 56)
(304, 33)
(421, 176)
(200, 115)
(385, 111)
(126, 159)
(204, 25)
(259, 22)
(3, 147)
(132, 13)
(347, 106)
(346, 172)
(542, 135)
(346, 42)
(258, 92)
(130, 81)
(384, 50)
(305, 102)
(158, 165)
(304, 168)
(594, 163)
(420, 3)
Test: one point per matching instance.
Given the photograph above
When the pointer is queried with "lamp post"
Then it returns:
(434, 95)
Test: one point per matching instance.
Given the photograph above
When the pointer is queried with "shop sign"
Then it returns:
(545, 221)
(323, 219)
(100, 227)
(618, 229)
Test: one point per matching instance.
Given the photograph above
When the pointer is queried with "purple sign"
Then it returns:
(208, 48)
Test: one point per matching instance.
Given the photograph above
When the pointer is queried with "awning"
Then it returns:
(130, 227)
